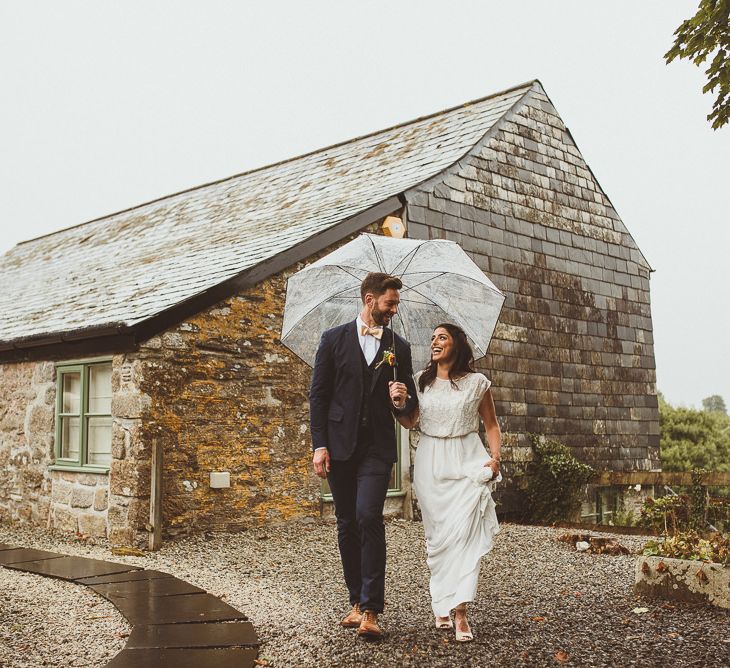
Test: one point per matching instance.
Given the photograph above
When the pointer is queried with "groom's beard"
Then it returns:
(380, 317)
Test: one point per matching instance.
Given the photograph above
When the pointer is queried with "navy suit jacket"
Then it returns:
(335, 397)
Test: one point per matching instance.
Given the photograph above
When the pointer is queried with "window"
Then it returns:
(84, 415)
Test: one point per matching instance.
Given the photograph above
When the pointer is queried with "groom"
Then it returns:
(353, 437)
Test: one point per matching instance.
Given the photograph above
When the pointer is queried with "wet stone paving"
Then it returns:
(166, 612)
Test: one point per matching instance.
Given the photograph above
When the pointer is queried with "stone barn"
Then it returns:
(158, 327)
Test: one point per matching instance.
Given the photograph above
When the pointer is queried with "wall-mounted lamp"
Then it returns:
(394, 227)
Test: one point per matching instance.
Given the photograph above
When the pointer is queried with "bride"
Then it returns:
(453, 473)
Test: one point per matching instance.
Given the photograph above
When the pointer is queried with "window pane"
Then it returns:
(71, 392)
(100, 388)
(99, 441)
(70, 437)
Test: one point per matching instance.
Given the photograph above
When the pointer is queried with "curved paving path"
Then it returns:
(174, 623)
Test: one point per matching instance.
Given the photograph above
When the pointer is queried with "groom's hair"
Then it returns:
(376, 284)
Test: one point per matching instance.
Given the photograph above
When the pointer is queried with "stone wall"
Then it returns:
(218, 392)
(130, 471)
(226, 395)
(79, 502)
(27, 398)
(573, 355)
(114, 505)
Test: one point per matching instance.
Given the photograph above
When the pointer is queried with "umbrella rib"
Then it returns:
(413, 287)
(402, 324)
(456, 272)
(427, 302)
(381, 265)
(349, 273)
(431, 301)
(413, 255)
(348, 269)
(443, 309)
(410, 255)
(468, 278)
(333, 296)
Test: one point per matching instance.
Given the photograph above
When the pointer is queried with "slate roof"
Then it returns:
(123, 269)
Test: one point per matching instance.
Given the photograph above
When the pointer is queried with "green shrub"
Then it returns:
(693, 439)
(668, 514)
(718, 512)
(691, 545)
(624, 518)
(553, 481)
(694, 510)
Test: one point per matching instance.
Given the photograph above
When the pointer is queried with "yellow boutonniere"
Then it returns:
(388, 358)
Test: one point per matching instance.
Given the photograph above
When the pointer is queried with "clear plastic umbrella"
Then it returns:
(440, 284)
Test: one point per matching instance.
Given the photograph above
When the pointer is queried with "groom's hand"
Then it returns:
(398, 393)
(321, 461)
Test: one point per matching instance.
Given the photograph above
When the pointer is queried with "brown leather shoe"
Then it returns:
(369, 626)
(353, 619)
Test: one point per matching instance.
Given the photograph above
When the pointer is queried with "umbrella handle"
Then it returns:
(395, 359)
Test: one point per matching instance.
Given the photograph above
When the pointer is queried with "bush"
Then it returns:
(695, 510)
(693, 439)
(718, 512)
(624, 518)
(554, 481)
(690, 545)
(668, 514)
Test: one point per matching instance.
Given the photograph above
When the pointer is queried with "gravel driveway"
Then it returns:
(540, 604)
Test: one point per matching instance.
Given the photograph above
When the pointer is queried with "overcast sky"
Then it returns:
(106, 105)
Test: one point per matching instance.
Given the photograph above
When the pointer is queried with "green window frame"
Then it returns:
(395, 486)
(82, 416)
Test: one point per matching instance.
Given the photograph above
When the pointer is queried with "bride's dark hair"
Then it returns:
(462, 354)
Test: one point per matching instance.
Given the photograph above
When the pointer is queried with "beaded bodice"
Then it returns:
(447, 411)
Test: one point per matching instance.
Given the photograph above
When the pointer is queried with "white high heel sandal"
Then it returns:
(444, 622)
(463, 636)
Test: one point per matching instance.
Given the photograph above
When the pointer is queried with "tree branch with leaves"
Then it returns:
(707, 35)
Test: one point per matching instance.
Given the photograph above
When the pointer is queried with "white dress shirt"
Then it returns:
(368, 344)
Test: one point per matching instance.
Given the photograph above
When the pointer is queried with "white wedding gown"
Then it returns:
(453, 490)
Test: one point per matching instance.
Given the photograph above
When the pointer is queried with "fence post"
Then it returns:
(698, 501)
(155, 524)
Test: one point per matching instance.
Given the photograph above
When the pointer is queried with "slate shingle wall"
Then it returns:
(573, 353)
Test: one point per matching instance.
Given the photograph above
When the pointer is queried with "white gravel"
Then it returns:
(49, 622)
(538, 598)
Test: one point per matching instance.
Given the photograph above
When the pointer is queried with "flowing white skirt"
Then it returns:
(459, 517)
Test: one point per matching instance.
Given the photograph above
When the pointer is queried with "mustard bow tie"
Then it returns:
(377, 332)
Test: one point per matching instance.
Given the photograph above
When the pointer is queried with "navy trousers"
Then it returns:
(359, 486)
